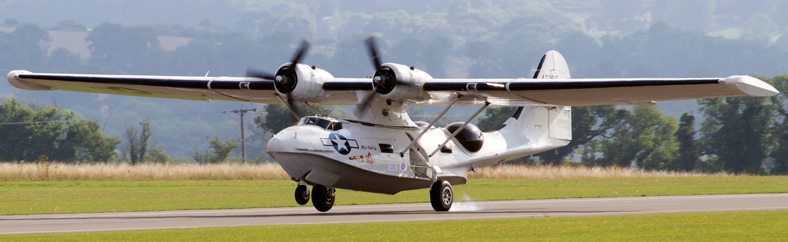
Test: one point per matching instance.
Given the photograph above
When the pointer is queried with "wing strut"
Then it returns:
(402, 153)
(486, 104)
(287, 105)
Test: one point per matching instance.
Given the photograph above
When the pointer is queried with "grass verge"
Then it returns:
(52, 171)
(116, 196)
(722, 226)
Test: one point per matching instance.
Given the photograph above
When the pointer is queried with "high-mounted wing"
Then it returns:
(503, 92)
(399, 83)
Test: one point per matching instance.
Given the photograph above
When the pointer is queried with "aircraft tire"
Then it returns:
(302, 194)
(323, 198)
(441, 196)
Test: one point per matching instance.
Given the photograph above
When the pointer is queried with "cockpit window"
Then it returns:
(312, 121)
(323, 123)
(334, 126)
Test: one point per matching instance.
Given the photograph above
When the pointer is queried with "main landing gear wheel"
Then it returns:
(302, 194)
(441, 196)
(322, 197)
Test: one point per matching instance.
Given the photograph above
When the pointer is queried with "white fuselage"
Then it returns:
(367, 157)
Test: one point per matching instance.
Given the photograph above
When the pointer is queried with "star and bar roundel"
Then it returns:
(341, 144)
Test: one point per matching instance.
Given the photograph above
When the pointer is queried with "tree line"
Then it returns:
(51, 133)
(30, 132)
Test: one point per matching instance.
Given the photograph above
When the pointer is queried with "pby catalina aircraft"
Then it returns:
(383, 150)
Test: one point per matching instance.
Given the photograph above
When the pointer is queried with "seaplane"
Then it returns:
(381, 149)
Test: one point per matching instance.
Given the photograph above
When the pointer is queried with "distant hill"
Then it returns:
(75, 41)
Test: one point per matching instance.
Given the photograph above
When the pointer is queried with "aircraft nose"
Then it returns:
(275, 144)
(294, 140)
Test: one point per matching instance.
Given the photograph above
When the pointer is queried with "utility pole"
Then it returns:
(243, 138)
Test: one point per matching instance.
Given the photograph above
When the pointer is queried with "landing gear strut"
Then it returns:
(302, 194)
(441, 196)
(323, 197)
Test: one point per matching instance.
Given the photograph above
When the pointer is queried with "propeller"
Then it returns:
(384, 81)
(285, 79)
(373, 52)
(260, 74)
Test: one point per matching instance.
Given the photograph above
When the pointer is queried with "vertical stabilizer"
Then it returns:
(540, 127)
(552, 66)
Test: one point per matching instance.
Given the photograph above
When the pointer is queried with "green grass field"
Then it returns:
(117, 196)
(723, 226)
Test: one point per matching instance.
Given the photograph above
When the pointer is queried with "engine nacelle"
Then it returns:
(308, 85)
(399, 83)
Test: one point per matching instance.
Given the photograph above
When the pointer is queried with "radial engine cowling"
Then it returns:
(305, 84)
(398, 82)
(470, 137)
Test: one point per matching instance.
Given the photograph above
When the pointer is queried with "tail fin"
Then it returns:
(541, 126)
(552, 66)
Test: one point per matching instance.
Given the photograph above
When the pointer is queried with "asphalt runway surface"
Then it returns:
(55, 223)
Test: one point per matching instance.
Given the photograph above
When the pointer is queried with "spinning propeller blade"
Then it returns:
(361, 107)
(260, 74)
(300, 53)
(286, 78)
(289, 78)
(384, 80)
(373, 52)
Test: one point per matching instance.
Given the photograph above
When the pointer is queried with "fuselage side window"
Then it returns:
(386, 148)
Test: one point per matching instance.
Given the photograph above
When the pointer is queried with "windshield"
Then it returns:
(323, 123)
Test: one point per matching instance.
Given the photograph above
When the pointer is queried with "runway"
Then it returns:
(56, 223)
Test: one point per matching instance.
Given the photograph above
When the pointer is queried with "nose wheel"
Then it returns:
(323, 197)
(302, 194)
(441, 196)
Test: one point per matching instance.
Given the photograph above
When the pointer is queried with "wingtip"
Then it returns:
(13, 78)
(17, 72)
(752, 86)
(14, 75)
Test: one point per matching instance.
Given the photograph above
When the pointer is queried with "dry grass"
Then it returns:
(557, 172)
(46, 171)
